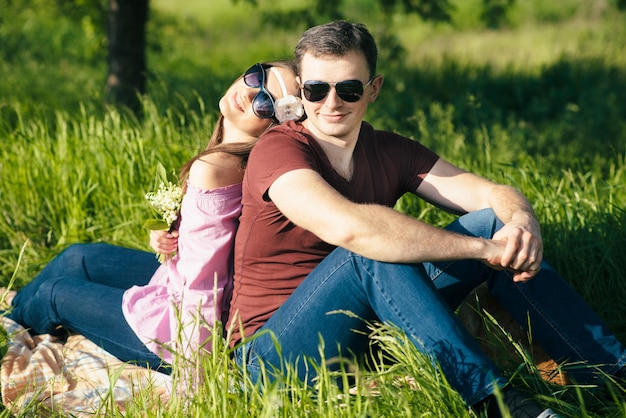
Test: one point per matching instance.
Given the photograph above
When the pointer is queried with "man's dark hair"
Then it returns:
(337, 39)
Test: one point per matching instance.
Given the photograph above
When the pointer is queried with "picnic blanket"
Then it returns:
(71, 376)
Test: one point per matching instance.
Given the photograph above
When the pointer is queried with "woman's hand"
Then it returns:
(164, 242)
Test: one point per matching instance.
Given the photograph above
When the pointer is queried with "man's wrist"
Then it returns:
(525, 216)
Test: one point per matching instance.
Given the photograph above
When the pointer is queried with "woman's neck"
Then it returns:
(230, 133)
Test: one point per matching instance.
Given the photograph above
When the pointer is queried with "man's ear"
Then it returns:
(377, 84)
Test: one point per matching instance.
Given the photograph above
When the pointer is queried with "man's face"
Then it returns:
(333, 118)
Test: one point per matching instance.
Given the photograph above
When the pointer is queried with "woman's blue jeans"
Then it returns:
(81, 291)
(420, 299)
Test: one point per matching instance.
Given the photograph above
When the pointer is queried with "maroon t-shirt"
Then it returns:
(272, 255)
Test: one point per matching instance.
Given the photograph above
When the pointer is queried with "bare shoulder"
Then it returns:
(215, 170)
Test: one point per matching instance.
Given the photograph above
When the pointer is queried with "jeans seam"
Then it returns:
(387, 300)
(440, 271)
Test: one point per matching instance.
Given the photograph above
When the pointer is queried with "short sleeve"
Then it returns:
(278, 152)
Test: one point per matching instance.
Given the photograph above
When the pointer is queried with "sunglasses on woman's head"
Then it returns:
(347, 90)
(263, 103)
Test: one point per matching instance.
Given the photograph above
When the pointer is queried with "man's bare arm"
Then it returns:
(373, 231)
(451, 188)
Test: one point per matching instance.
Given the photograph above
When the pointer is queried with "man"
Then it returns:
(318, 234)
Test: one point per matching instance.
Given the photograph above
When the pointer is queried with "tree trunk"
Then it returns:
(127, 58)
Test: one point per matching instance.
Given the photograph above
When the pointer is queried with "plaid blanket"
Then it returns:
(73, 376)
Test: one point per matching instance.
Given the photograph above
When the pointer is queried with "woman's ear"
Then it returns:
(377, 84)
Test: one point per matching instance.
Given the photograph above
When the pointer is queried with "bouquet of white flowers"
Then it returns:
(165, 203)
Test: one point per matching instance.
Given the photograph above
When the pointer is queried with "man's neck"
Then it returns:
(339, 151)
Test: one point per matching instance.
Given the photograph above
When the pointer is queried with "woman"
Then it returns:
(123, 299)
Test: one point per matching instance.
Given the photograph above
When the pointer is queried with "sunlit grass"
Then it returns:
(85, 182)
(536, 105)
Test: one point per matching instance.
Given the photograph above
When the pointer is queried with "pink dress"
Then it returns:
(197, 280)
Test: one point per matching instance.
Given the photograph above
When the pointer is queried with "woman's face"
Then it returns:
(236, 104)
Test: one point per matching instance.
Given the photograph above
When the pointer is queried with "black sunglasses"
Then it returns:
(347, 90)
(263, 103)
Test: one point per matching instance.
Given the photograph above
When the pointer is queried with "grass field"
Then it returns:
(539, 104)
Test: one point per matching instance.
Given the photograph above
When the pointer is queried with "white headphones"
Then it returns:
(288, 107)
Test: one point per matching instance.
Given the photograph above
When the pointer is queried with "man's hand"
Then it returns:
(524, 247)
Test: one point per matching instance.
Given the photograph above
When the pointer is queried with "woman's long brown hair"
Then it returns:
(238, 149)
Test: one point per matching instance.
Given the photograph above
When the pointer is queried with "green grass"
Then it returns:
(538, 105)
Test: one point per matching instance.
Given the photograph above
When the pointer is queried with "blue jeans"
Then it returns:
(81, 291)
(420, 299)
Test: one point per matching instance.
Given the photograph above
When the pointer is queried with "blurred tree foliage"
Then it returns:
(494, 12)
(78, 9)
(323, 11)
